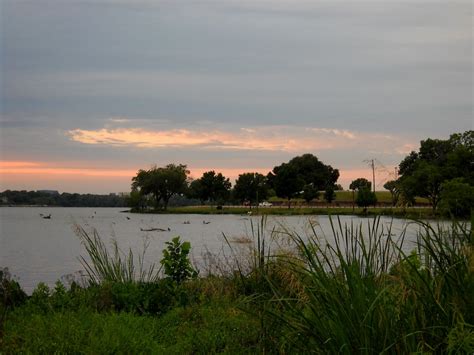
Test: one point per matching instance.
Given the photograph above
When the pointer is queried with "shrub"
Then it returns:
(365, 198)
(11, 296)
(176, 263)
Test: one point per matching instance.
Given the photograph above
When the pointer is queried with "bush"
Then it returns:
(366, 198)
(176, 263)
(11, 294)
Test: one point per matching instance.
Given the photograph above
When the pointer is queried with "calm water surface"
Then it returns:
(36, 249)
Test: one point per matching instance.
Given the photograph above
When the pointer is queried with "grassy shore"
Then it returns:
(363, 295)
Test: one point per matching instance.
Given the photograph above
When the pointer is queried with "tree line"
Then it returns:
(441, 171)
(39, 198)
(303, 175)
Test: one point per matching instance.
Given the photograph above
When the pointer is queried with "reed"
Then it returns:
(114, 265)
(363, 294)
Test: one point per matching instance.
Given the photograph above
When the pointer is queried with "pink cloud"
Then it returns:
(268, 138)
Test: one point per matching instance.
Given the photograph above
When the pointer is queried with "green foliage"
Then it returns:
(53, 198)
(457, 198)
(250, 187)
(424, 172)
(359, 184)
(162, 183)
(361, 293)
(366, 198)
(393, 187)
(11, 294)
(310, 193)
(176, 263)
(136, 201)
(289, 179)
(210, 187)
(206, 329)
(364, 295)
(329, 194)
(287, 182)
(115, 267)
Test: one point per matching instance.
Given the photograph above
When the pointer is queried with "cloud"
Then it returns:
(119, 120)
(263, 138)
(336, 132)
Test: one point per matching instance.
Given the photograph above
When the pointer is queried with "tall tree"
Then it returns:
(289, 179)
(287, 182)
(251, 187)
(393, 186)
(360, 183)
(211, 187)
(357, 185)
(329, 194)
(162, 182)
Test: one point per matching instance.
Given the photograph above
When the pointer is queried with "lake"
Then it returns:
(36, 249)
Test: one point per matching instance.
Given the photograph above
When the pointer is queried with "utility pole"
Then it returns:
(373, 173)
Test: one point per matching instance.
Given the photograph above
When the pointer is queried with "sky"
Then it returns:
(93, 90)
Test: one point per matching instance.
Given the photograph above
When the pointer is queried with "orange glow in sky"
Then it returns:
(27, 175)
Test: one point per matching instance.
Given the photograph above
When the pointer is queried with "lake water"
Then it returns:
(36, 249)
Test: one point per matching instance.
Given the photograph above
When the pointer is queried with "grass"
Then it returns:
(115, 267)
(346, 196)
(365, 295)
(200, 329)
(361, 293)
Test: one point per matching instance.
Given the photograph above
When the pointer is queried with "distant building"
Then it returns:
(124, 194)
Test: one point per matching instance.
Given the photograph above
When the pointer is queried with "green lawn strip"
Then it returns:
(207, 328)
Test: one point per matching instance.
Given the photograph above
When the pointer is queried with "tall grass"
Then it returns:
(365, 295)
(115, 266)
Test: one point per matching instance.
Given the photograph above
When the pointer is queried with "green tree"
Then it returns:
(211, 187)
(360, 183)
(314, 172)
(162, 182)
(195, 190)
(424, 172)
(365, 197)
(289, 179)
(287, 183)
(357, 185)
(136, 200)
(408, 190)
(429, 179)
(457, 198)
(393, 186)
(251, 187)
(329, 194)
(310, 193)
